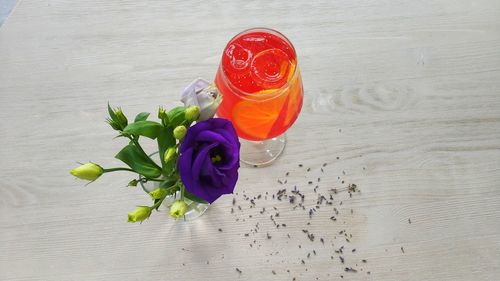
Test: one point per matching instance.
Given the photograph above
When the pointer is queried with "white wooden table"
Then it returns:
(405, 93)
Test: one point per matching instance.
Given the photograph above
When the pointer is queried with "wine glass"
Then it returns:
(262, 91)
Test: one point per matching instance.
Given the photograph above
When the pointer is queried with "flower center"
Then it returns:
(216, 158)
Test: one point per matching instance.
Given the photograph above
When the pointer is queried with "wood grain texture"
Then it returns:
(405, 93)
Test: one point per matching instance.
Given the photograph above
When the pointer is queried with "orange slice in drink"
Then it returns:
(294, 98)
(256, 118)
(264, 113)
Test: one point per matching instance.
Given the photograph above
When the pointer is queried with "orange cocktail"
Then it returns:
(260, 83)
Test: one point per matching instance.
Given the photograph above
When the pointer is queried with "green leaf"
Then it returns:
(193, 197)
(145, 128)
(165, 140)
(176, 116)
(141, 116)
(138, 162)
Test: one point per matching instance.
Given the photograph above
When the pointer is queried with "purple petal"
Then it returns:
(203, 154)
(211, 136)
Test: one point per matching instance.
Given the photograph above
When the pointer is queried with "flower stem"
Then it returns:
(118, 169)
(144, 179)
(157, 203)
(182, 189)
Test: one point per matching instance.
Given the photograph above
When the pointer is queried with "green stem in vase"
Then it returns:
(182, 189)
(148, 179)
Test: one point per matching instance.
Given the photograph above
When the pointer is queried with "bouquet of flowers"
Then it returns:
(199, 154)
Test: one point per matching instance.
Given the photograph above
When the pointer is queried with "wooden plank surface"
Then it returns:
(405, 93)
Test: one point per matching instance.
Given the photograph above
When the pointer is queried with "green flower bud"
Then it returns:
(114, 125)
(158, 193)
(139, 214)
(117, 119)
(178, 209)
(133, 182)
(161, 112)
(120, 118)
(89, 171)
(162, 115)
(192, 113)
(169, 154)
(180, 132)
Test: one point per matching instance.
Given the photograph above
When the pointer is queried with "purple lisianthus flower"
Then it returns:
(209, 159)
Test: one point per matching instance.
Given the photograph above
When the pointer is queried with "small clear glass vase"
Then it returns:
(195, 209)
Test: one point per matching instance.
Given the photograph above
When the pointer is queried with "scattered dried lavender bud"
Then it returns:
(311, 237)
(350, 269)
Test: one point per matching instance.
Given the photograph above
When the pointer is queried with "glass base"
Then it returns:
(262, 153)
(195, 209)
